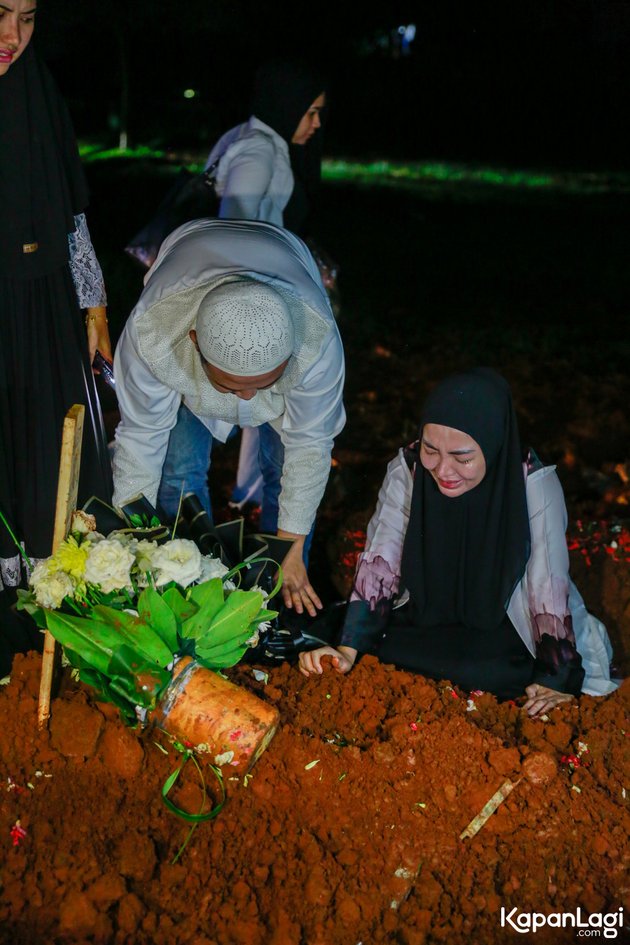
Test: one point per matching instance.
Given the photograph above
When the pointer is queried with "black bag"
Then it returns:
(288, 634)
(191, 197)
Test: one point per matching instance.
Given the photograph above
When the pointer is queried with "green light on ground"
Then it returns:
(433, 179)
(425, 175)
(93, 152)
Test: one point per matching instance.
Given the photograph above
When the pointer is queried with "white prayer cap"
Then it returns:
(245, 328)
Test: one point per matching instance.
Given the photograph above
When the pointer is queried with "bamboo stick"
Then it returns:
(488, 809)
(67, 488)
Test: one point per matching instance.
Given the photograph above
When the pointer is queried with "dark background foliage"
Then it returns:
(540, 82)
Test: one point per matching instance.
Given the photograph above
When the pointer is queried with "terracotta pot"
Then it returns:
(202, 707)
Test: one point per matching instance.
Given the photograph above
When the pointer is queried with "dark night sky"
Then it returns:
(540, 82)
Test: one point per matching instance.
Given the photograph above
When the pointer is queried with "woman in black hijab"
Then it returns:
(475, 537)
(269, 167)
(47, 272)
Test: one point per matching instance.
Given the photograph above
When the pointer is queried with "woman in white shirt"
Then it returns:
(261, 173)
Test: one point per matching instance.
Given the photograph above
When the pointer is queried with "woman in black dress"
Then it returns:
(465, 573)
(48, 273)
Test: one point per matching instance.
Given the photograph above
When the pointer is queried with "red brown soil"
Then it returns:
(361, 847)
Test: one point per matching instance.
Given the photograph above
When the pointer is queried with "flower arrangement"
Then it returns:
(127, 606)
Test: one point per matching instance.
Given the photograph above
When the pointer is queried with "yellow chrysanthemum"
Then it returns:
(70, 557)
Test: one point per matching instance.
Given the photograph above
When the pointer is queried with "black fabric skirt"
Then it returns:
(495, 661)
(44, 370)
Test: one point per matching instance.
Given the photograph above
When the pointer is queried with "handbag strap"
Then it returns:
(209, 176)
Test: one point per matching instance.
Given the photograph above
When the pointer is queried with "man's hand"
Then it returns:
(541, 699)
(297, 590)
(342, 659)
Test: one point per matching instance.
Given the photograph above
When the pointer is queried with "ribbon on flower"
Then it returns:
(246, 565)
(188, 754)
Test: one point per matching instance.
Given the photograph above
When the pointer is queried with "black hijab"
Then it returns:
(463, 556)
(42, 184)
(283, 93)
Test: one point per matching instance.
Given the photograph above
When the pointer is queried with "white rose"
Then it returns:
(39, 572)
(144, 552)
(51, 589)
(108, 565)
(212, 568)
(178, 560)
(255, 637)
(82, 523)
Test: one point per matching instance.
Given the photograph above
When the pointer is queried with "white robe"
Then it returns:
(157, 367)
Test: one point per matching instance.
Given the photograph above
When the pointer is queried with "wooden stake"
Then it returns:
(67, 488)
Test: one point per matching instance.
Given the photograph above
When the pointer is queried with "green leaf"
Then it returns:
(26, 601)
(265, 615)
(102, 686)
(95, 638)
(233, 619)
(139, 682)
(208, 593)
(209, 597)
(222, 658)
(157, 613)
(136, 632)
(90, 639)
(208, 647)
(181, 607)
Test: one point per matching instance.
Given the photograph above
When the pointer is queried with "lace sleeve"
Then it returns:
(84, 266)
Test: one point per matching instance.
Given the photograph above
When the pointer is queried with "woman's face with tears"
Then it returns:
(453, 458)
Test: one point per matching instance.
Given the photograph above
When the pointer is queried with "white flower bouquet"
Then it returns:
(126, 606)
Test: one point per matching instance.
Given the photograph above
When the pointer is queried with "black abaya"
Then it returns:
(44, 366)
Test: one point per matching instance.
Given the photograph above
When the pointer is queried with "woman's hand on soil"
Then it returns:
(297, 590)
(342, 659)
(541, 699)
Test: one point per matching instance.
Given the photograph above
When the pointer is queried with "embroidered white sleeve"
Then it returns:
(85, 267)
(313, 416)
(148, 412)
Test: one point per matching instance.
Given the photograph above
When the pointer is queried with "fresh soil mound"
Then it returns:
(346, 832)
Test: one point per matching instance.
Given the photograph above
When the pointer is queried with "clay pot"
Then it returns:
(202, 707)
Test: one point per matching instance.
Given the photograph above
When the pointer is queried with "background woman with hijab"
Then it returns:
(268, 170)
(476, 540)
(269, 166)
(48, 271)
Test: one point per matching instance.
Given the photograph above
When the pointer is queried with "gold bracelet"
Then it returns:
(90, 317)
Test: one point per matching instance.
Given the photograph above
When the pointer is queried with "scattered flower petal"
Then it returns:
(17, 833)
(225, 759)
